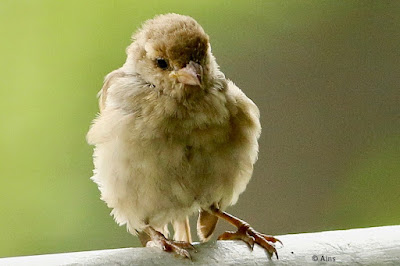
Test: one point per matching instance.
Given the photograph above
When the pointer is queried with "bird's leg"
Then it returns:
(246, 233)
(159, 240)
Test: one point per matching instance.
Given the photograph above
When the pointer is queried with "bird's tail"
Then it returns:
(182, 230)
(206, 224)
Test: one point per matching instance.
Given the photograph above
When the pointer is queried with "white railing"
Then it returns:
(368, 246)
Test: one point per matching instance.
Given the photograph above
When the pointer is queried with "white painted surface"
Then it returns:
(369, 246)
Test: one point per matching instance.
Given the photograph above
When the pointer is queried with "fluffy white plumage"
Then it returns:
(165, 149)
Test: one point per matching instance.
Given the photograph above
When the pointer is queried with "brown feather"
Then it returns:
(206, 225)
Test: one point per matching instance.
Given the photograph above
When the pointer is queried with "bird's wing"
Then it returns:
(246, 116)
(182, 230)
(245, 123)
(206, 224)
(107, 83)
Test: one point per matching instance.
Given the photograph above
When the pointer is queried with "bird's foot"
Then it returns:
(177, 247)
(251, 237)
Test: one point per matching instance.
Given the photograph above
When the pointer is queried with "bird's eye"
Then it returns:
(162, 63)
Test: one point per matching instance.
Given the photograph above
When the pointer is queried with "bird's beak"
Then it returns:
(191, 74)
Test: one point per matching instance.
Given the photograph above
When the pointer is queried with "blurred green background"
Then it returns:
(325, 75)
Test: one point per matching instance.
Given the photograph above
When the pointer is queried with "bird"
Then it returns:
(174, 137)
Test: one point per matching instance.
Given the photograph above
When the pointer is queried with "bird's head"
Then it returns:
(173, 53)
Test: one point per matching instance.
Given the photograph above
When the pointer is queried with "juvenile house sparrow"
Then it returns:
(173, 137)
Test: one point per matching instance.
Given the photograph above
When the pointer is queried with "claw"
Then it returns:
(251, 242)
(177, 247)
(245, 237)
(246, 233)
(184, 244)
(251, 237)
(228, 235)
(271, 239)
